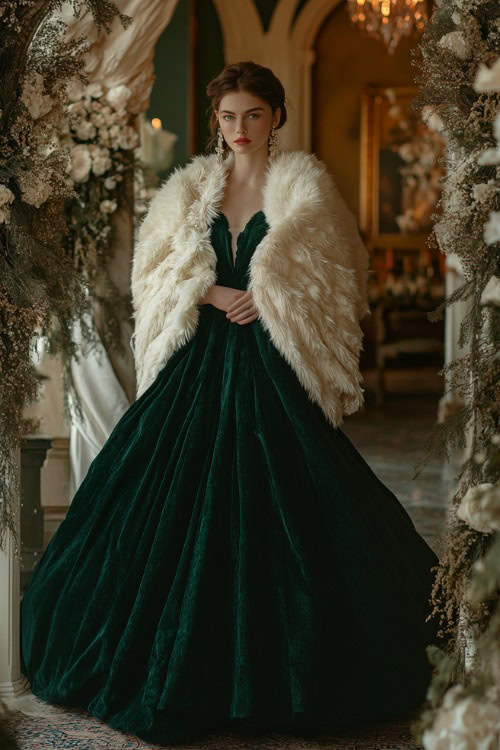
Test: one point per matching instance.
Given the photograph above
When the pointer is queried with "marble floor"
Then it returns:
(390, 438)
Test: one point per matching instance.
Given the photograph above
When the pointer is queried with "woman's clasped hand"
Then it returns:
(236, 303)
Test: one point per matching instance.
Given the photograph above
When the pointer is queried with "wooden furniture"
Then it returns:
(405, 334)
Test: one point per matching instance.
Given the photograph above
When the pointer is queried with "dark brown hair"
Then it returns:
(244, 76)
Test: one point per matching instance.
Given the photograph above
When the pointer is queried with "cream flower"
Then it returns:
(37, 103)
(75, 89)
(6, 195)
(455, 43)
(78, 108)
(118, 96)
(97, 119)
(35, 189)
(6, 198)
(491, 231)
(107, 206)
(94, 90)
(81, 163)
(467, 724)
(101, 160)
(406, 152)
(4, 214)
(480, 508)
(484, 191)
(128, 138)
(491, 292)
(114, 132)
(487, 79)
(86, 130)
(432, 119)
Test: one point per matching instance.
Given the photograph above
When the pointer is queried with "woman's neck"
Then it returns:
(248, 169)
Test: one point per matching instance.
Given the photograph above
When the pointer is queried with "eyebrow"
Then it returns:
(228, 111)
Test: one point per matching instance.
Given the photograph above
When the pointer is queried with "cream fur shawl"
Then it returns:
(308, 275)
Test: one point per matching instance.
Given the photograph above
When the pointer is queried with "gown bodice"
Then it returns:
(235, 273)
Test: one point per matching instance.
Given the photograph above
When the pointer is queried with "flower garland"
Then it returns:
(41, 292)
(103, 148)
(460, 80)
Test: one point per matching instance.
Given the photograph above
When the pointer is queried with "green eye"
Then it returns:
(252, 114)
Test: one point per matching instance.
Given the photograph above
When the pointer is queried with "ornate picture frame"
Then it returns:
(401, 170)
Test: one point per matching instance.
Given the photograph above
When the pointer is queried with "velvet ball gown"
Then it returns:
(230, 559)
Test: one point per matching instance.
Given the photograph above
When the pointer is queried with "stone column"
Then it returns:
(12, 683)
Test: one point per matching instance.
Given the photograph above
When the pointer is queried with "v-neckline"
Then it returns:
(228, 229)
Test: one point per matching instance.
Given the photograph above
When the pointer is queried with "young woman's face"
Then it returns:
(243, 115)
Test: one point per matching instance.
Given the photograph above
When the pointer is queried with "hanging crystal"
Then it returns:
(388, 20)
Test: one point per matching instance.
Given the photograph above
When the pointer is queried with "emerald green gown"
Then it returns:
(230, 560)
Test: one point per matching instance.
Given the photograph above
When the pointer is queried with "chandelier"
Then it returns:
(388, 20)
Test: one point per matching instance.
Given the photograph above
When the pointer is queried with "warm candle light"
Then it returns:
(156, 123)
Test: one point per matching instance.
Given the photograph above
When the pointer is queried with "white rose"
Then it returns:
(107, 206)
(455, 42)
(496, 127)
(101, 160)
(487, 79)
(484, 192)
(491, 293)
(37, 103)
(109, 183)
(78, 108)
(86, 130)
(75, 89)
(466, 724)
(81, 163)
(97, 119)
(491, 231)
(128, 137)
(114, 132)
(94, 90)
(477, 508)
(4, 214)
(477, 720)
(64, 127)
(406, 152)
(489, 156)
(118, 96)
(103, 136)
(6, 195)
(110, 118)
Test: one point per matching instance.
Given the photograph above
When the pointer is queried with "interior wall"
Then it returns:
(209, 63)
(173, 61)
(346, 61)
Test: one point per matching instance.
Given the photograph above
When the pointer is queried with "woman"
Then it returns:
(230, 560)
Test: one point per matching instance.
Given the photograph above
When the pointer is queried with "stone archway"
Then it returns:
(287, 48)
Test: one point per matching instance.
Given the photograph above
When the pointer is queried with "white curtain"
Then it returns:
(103, 403)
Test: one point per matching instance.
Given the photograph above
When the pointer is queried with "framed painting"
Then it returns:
(401, 169)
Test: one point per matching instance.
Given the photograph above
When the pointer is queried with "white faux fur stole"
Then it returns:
(308, 275)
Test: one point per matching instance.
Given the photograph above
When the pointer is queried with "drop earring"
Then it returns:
(273, 143)
(219, 149)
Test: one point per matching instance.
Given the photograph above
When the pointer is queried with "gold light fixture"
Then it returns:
(388, 20)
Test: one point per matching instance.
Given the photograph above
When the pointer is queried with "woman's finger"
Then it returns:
(241, 309)
(237, 314)
(243, 298)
